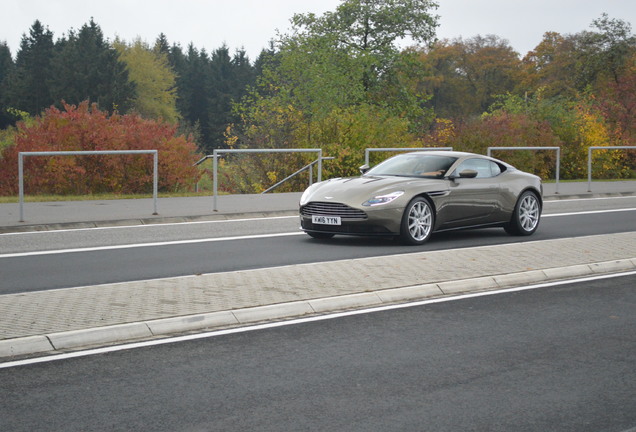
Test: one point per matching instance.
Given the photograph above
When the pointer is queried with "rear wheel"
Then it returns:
(526, 216)
(417, 222)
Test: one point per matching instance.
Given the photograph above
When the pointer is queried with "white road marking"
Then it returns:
(566, 200)
(587, 212)
(140, 245)
(177, 339)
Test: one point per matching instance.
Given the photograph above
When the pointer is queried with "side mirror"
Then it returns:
(468, 174)
(364, 168)
(464, 174)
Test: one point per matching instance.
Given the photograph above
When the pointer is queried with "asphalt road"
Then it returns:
(49, 260)
(550, 359)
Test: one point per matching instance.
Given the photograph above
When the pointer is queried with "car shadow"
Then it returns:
(443, 240)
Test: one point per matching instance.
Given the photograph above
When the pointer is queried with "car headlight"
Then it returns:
(305, 196)
(383, 199)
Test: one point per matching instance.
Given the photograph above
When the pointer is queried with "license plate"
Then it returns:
(326, 220)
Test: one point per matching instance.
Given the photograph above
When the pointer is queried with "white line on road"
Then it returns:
(566, 200)
(587, 212)
(139, 245)
(176, 339)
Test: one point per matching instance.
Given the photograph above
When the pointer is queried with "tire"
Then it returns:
(319, 235)
(418, 221)
(526, 215)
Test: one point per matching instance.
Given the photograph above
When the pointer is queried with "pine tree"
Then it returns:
(28, 86)
(6, 69)
(87, 67)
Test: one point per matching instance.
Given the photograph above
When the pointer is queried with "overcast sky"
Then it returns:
(250, 24)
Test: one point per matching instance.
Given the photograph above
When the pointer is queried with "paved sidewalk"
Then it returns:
(67, 319)
(76, 317)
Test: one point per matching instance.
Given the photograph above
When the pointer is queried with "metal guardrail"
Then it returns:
(21, 156)
(216, 152)
(309, 167)
(397, 149)
(558, 161)
(589, 160)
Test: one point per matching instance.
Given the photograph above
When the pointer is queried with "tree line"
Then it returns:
(163, 82)
(340, 81)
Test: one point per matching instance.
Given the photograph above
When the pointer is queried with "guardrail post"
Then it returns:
(589, 169)
(215, 181)
(155, 180)
(21, 185)
(155, 154)
(217, 152)
(558, 169)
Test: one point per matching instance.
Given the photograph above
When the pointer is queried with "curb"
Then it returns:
(121, 333)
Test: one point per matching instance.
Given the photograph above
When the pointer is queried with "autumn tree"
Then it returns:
(566, 65)
(605, 52)
(154, 80)
(549, 67)
(617, 100)
(464, 76)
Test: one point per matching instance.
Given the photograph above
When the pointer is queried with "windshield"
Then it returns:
(413, 165)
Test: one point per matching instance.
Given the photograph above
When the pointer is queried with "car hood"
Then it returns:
(354, 191)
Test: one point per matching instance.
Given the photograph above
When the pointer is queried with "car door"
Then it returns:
(472, 200)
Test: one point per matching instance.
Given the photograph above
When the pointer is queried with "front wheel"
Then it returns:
(525, 218)
(417, 222)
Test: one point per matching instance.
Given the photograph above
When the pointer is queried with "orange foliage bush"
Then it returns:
(86, 128)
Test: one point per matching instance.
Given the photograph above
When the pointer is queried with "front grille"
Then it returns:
(332, 209)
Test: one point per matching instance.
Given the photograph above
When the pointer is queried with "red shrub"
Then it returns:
(86, 128)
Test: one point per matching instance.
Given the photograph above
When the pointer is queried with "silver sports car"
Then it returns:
(412, 195)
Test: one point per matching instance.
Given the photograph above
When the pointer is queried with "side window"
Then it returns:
(495, 169)
(484, 168)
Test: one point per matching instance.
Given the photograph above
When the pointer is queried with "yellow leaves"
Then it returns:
(443, 132)
(230, 138)
(153, 78)
(591, 128)
(272, 176)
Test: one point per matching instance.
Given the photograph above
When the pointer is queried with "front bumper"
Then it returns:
(382, 221)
